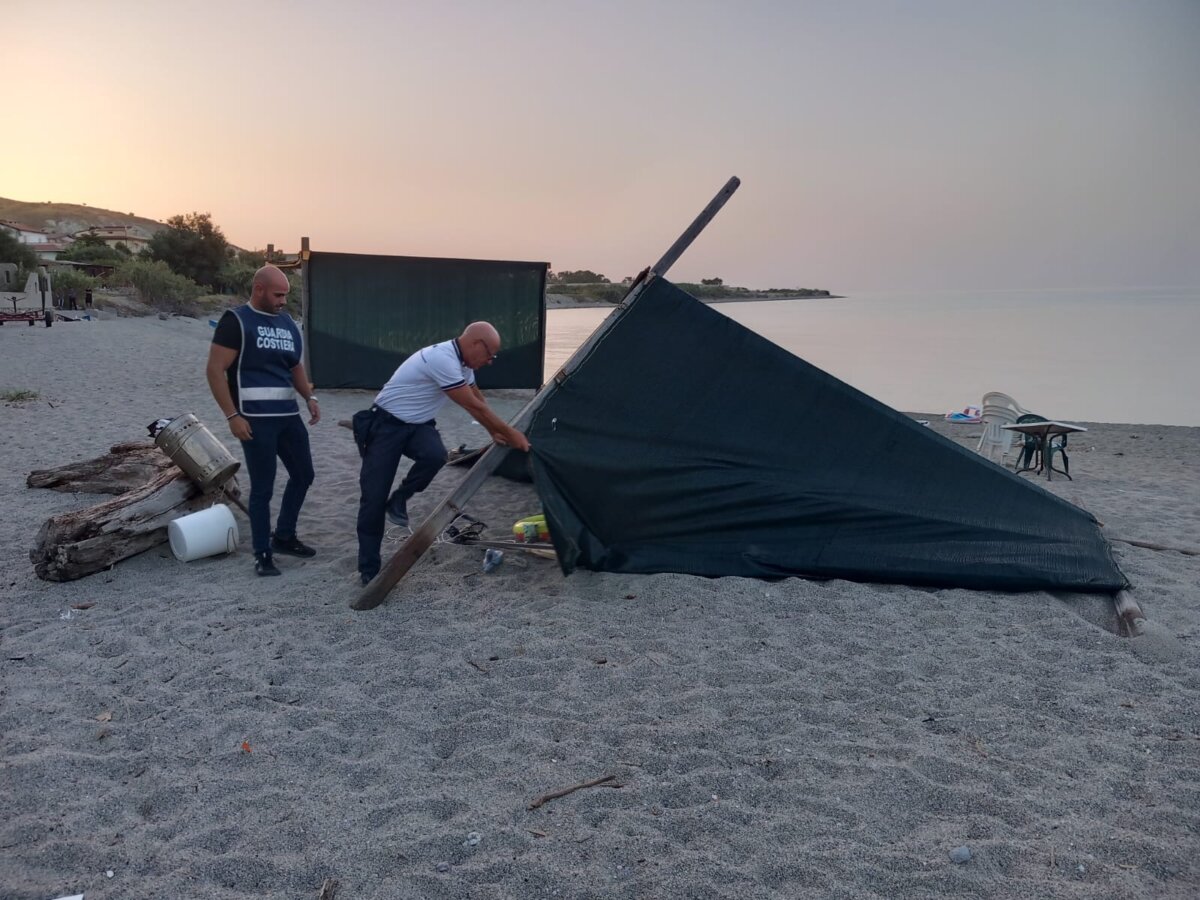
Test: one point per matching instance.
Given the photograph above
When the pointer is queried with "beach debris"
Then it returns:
(105, 716)
(536, 833)
(443, 867)
(126, 466)
(492, 559)
(473, 839)
(328, 888)
(554, 795)
(960, 855)
(65, 614)
(108, 873)
(246, 747)
(478, 666)
(72, 897)
(82, 542)
(82, 605)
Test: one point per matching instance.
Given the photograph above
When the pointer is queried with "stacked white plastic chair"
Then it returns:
(998, 410)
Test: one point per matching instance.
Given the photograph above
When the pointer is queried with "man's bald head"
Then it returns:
(479, 343)
(269, 290)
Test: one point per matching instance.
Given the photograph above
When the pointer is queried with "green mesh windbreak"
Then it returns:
(366, 314)
(685, 442)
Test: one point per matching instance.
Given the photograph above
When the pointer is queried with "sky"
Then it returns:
(937, 145)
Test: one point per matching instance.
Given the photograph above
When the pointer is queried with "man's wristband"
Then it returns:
(311, 399)
(232, 415)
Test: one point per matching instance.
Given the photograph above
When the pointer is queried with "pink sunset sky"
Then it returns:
(917, 145)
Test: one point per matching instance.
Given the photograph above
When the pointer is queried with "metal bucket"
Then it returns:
(197, 451)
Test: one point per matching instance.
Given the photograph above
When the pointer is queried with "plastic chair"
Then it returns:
(994, 436)
(998, 399)
(1032, 449)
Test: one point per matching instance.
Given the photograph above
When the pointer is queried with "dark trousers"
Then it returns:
(389, 440)
(285, 437)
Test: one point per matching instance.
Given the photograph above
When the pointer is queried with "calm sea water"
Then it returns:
(1081, 355)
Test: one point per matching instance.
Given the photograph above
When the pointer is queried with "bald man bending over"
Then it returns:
(254, 372)
(403, 424)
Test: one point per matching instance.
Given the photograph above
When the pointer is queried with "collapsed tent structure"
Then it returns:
(684, 442)
(676, 440)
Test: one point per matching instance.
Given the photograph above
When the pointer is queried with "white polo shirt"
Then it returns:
(417, 390)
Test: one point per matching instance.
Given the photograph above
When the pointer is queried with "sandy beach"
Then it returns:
(197, 732)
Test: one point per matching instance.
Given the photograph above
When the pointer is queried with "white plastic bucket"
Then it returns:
(205, 533)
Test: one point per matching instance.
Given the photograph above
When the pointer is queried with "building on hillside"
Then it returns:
(134, 237)
(26, 234)
(48, 250)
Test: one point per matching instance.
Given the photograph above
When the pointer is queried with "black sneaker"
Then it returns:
(291, 546)
(365, 578)
(264, 565)
(397, 513)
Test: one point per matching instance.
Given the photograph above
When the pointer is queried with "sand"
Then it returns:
(199, 732)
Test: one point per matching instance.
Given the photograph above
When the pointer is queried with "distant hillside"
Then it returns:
(68, 218)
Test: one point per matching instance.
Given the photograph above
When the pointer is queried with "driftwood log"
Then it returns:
(124, 468)
(83, 542)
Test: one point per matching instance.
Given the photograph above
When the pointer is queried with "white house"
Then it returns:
(26, 234)
(132, 236)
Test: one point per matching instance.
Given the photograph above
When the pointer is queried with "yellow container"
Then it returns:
(532, 529)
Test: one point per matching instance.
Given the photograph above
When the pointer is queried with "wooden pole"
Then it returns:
(449, 509)
(1129, 613)
(305, 331)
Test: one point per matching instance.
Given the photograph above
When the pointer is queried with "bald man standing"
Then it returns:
(255, 371)
(403, 424)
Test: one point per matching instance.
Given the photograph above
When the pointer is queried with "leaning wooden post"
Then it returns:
(1129, 613)
(445, 513)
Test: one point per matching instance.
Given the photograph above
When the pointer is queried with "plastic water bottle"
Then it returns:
(492, 559)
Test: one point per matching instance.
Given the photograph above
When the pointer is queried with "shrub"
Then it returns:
(64, 280)
(158, 286)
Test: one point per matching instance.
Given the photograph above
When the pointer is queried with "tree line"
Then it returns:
(188, 258)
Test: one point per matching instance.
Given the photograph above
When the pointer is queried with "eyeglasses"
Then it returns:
(488, 350)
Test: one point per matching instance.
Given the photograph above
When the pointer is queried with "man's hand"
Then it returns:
(314, 409)
(512, 438)
(239, 426)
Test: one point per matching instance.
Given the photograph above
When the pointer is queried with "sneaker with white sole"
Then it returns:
(397, 513)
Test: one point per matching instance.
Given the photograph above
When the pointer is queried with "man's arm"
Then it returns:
(470, 399)
(305, 389)
(219, 360)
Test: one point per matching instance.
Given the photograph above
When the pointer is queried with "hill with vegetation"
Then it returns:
(69, 218)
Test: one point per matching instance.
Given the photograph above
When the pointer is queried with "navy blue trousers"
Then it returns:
(389, 440)
(285, 438)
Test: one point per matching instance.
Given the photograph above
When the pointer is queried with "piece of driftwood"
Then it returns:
(125, 467)
(554, 795)
(82, 542)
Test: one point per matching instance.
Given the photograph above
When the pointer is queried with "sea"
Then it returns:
(1088, 355)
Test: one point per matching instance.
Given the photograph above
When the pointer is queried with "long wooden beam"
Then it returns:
(445, 513)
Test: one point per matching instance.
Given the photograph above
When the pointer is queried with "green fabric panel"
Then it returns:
(366, 314)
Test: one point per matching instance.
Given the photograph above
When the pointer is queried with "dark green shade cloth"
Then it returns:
(367, 314)
(684, 442)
